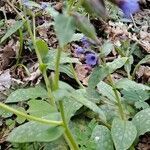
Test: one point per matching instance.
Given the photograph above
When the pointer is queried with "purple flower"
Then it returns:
(79, 50)
(91, 59)
(85, 42)
(129, 7)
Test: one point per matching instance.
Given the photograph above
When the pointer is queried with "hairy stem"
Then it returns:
(32, 34)
(21, 45)
(121, 112)
(29, 117)
(57, 69)
(120, 107)
(68, 135)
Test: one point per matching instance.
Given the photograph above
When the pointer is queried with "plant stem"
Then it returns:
(51, 99)
(57, 72)
(29, 117)
(75, 76)
(121, 112)
(134, 71)
(48, 87)
(69, 137)
(21, 45)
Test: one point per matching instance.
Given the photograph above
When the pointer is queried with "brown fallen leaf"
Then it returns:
(8, 53)
(82, 71)
(144, 73)
(35, 73)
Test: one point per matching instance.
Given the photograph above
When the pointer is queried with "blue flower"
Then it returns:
(85, 42)
(91, 59)
(79, 50)
(129, 7)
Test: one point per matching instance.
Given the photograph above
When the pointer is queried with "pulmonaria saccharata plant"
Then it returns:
(129, 7)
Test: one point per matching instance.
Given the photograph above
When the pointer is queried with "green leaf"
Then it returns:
(50, 59)
(144, 60)
(19, 119)
(10, 123)
(84, 25)
(65, 29)
(123, 134)
(142, 105)
(95, 6)
(65, 61)
(66, 68)
(78, 95)
(50, 10)
(100, 72)
(142, 121)
(1, 23)
(42, 47)
(106, 90)
(12, 30)
(36, 132)
(107, 47)
(116, 64)
(39, 108)
(102, 138)
(59, 144)
(26, 94)
(82, 130)
(110, 111)
(63, 91)
(70, 107)
(126, 84)
(133, 91)
(5, 114)
(96, 76)
(128, 65)
(134, 95)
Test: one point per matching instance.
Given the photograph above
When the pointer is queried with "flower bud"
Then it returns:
(95, 6)
(84, 25)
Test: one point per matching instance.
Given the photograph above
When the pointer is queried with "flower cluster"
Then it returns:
(129, 7)
(91, 58)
